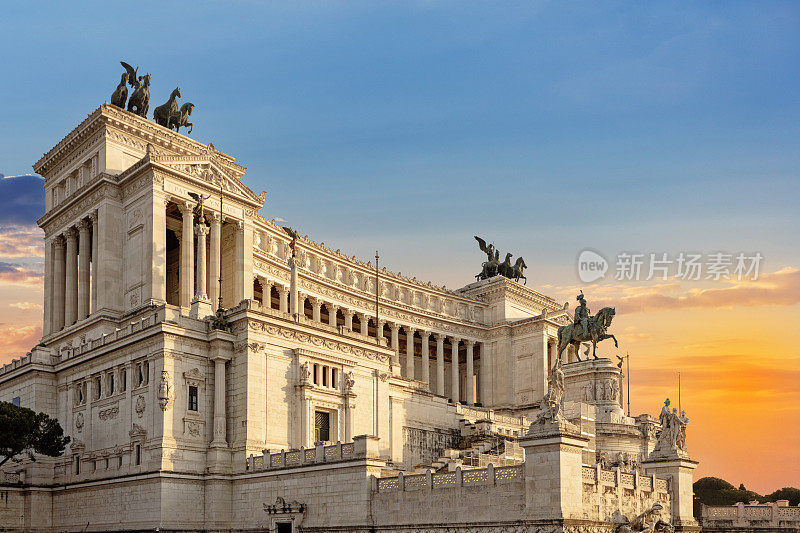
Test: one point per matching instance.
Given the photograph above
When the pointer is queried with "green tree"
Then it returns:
(23, 430)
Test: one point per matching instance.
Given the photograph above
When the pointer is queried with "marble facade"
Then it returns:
(308, 410)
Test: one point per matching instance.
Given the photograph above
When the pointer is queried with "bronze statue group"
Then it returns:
(167, 114)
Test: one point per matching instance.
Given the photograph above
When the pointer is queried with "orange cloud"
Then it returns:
(21, 241)
(17, 340)
(13, 274)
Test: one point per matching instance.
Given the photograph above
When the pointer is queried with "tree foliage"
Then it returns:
(24, 431)
(716, 491)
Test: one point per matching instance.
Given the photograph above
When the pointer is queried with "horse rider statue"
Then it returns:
(581, 316)
(586, 328)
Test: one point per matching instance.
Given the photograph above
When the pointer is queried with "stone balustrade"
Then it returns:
(752, 515)
(488, 476)
(362, 447)
(616, 478)
(68, 352)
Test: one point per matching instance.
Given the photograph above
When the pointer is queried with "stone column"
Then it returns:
(455, 374)
(332, 309)
(83, 269)
(201, 230)
(187, 256)
(348, 320)
(71, 278)
(395, 346)
(283, 298)
(239, 265)
(483, 375)
(470, 373)
(215, 251)
(59, 262)
(220, 430)
(95, 261)
(409, 352)
(364, 319)
(439, 364)
(316, 306)
(294, 296)
(47, 301)
(426, 359)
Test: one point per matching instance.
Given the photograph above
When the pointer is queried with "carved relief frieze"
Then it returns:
(109, 414)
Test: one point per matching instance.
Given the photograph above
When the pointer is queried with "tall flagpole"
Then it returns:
(378, 332)
(679, 391)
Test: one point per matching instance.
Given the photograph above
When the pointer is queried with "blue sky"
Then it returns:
(410, 126)
(545, 127)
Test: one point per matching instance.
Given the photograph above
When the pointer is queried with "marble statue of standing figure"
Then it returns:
(665, 417)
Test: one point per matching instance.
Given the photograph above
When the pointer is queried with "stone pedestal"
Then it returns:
(553, 482)
(679, 471)
(201, 308)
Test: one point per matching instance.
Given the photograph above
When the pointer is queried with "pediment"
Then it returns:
(214, 173)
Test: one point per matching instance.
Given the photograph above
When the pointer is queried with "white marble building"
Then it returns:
(411, 419)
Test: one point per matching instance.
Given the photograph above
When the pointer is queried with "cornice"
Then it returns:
(146, 130)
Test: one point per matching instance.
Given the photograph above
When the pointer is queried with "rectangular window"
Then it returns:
(119, 462)
(139, 375)
(138, 454)
(322, 426)
(106, 463)
(316, 374)
(334, 378)
(192, 398)
(324, 376)
(146, 367)
(77, 465)
(123, 380)
(284, 527)
(110, 385)
(98, 388)
(15, 401)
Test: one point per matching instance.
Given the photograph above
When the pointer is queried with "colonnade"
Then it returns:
(71, 260)
(199, 272)
(417, 353)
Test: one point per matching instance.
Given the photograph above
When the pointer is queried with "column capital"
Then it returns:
(59, 241)
(409, 330)
(83, 224)
(424, 333)
(282, 288)
(395, 326)
(214, 217)
(439, 336)
(71, 233)
(332, 306)
(455, 340)
(347, 312)
(315, 300)
(185, 207)
(469, 342)
(201, 229)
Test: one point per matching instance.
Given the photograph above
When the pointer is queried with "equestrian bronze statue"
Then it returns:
(163, 113)
(493, 267)
(120, 95)
(139, 102)
(586, 328)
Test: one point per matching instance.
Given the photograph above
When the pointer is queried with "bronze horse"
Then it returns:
(182, 117)
(598, 325)
(163, 113)
(120, 95)
(139, 102)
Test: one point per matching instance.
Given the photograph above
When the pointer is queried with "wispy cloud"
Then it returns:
(14, 274)
(17, 340)
(21, 241)
(777, 288)
(25, 306)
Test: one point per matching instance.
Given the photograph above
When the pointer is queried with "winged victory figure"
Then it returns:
(139, 102)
